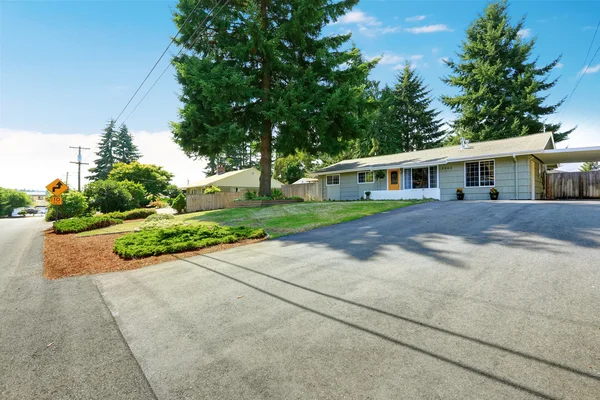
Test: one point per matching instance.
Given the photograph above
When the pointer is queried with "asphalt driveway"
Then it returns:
(458, 300)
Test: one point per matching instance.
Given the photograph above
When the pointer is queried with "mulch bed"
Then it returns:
(70, 255)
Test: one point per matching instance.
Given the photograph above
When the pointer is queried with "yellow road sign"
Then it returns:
(57, 187)
(56, 200)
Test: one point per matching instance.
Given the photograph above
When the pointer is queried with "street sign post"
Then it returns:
(57, 187)
(56, 200)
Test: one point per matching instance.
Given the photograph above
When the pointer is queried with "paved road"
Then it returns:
(461, 300)
(58, 339)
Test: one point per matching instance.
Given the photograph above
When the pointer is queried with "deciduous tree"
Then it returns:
(153, 178)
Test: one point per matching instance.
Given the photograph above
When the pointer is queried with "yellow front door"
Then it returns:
(394, 179)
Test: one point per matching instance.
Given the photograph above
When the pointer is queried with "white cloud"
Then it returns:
(358, 17)
(524, 33)
(590, 70)
(429, 29)
(398, 60)
(416, 18)
(34, 159)
(435, 50)
(560, 65)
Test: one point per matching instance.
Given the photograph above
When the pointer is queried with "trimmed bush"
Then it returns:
(138, 213)
(161, 224)
(179, 203)
(180, 238)
(74, 225)
(158, 204)
(158, 217)
(74, 205)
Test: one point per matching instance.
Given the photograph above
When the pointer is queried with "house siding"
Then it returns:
(349, 188)
(452, 176)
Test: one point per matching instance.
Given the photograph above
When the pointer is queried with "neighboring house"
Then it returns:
(234, 181)
(305, 180)
(515, 166)
(38, 198)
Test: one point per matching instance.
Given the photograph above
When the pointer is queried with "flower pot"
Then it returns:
(494, 196)
(460, 196)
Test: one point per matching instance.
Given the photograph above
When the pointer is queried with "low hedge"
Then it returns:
(180, 238)
(75, 225)
(138, 213)
(159, 217)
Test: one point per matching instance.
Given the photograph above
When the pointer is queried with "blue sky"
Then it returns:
(68, 66)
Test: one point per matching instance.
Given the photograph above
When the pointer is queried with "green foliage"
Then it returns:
(501, 91)
(250, 195)
(137, 192)
(405, 120)
(179, 204)
(180, 238)
(154, 178)
(11, 199)
(139, 213)
(268, 70)
(22, 212)
(74, 205)
(276, 193)
(158, 204)
(124, 151)
(293, 167)
(172, 191)
(74, 225)
(108, 196)
(589, 166)
(159, 217)
(212, 190)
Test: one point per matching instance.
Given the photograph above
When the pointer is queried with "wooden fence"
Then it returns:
(308, 191)
(573, 185)
(215, 201)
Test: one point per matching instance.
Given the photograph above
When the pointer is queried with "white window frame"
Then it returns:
(479, 175)
(365, 172)
(437, 173)
(333, 184)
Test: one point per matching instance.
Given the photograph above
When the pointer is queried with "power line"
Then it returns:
(202, 25)
(159, 58)
(584, 69)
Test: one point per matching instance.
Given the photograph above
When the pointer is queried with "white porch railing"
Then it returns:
(406, 194)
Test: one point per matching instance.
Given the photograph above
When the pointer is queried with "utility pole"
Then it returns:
(78, 162)
(67, 180)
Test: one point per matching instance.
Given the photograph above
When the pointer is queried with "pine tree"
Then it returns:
(106, 160)
(262, 67)
(589, 166)
(502, 92)
(124, 150)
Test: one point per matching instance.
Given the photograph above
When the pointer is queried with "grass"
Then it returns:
(278, 220)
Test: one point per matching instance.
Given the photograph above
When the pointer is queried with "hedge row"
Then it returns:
(180, 238)
(138, 213)
(74, 225)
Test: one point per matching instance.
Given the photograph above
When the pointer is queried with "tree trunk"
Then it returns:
(264, 188)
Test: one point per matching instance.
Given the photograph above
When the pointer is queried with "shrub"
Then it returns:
(179, 203)
(74, 205)
(161, 224)
(212, 190)
(277, 194)
(158, 204)
(109, 196)
(74, 225)
(250, 195)
(180, 238)
(138, 213)
(137, 192)
(159, 217)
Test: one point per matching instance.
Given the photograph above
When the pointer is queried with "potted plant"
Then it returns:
(460, 195)
(368, 195)
(494, 193)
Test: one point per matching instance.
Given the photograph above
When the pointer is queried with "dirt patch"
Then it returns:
(70, 255)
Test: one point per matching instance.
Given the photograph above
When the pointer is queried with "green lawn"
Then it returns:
(279, 220)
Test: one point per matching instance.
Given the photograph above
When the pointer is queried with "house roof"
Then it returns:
(305, 180)
(529, 144)
(241, 178)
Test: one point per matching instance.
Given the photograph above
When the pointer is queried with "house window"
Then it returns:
(420, 178)
(333, 180)
(366, 177)
(480, 173)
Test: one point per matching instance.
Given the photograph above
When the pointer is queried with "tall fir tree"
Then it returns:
(262, 67)
(501, 92)
(106, 160)
(124, 150)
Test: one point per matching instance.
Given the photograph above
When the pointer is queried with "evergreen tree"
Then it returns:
(589, 166)
(124, 150)
(262, 67)
(106, 160)
(501, 90)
